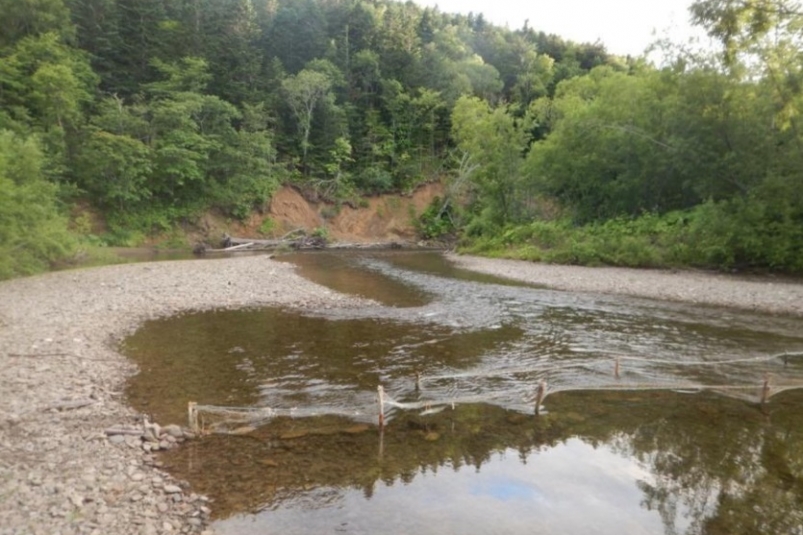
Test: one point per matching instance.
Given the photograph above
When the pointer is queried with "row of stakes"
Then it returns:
(541, 390)
(540, 393)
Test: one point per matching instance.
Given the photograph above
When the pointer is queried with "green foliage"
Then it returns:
(374, 180)
(155, 111)
(304, 91)
(23, 18)
(179, 148)
(117, 169)
(267, 226)
(735, 234)
(493, 142)
(436, 221)
(33, 234)
(321, 232)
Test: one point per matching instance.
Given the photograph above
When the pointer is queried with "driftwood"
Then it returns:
(296, 239)
(71, 404)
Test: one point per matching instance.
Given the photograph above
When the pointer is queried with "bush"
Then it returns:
(740, 233)
(34, 235)
(436, 221)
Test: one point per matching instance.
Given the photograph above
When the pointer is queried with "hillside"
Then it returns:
(156, 112)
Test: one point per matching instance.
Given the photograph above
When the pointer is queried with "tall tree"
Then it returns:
(304, 91)
(493, 142)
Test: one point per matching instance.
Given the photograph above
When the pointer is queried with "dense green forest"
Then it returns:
(154, 111)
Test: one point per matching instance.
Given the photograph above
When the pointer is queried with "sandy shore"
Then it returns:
(765, 294)
(61, 380)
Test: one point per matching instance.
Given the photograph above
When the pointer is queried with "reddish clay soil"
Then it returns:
(385, 218)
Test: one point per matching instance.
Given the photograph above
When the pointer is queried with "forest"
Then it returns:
(152, 112)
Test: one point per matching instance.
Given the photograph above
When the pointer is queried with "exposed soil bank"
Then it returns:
(59, 472)
(383, 218)
(761, 294)
(61, 379)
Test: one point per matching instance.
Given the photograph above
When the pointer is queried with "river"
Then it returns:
(651, 419)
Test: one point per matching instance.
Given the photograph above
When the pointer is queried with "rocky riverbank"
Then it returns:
(74, 459)
(760, 294)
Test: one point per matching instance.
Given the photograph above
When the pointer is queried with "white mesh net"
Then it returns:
(524, 388)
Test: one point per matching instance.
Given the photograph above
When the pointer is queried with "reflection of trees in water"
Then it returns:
(720, 468)
(717, 465)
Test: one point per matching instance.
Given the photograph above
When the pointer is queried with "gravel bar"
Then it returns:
(760, 294)
(74, 459)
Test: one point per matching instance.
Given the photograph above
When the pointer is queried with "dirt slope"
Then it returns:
(385, 218)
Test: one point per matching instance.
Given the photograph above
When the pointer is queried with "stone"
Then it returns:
(173, 430)
(292, 435)
(117, 439)
(172, 489)
(77, 500)
(432, 436)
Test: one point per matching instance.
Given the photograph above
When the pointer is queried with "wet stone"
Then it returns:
(173, 430)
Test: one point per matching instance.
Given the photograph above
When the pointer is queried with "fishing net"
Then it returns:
(524, 388)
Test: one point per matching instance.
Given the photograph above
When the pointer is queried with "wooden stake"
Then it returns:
(417, 381)
(616, 368)
(381, 400)
(765, 389)
(539, 396)
(192, 415)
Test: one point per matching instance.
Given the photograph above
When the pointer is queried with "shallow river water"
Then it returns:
(651, 420)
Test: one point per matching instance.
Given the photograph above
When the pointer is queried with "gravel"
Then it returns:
(75, 459)
(760, 294)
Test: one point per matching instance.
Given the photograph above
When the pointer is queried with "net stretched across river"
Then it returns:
(524, 388)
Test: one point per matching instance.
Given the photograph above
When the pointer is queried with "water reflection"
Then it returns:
(281, 359)
(493, 502)
(620, 463)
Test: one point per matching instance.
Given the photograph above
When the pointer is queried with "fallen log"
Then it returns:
(297, 240)
(230, 242)
(237, 247)
(70, 404)
(372, 245)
